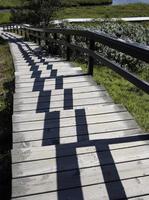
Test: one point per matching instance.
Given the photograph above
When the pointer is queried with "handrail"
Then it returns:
(133, 49)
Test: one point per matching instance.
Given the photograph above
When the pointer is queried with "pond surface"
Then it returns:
(117, 2)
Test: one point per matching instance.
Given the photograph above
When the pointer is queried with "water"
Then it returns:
(116, 2)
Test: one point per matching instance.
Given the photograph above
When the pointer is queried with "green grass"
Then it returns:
(10, 3)
(123, 92)
(5, 17)
(105, 11)
(68, 3)
(6, 92)
(84, 2)
(93, 12)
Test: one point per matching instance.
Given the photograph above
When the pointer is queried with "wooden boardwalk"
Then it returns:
(70, 140)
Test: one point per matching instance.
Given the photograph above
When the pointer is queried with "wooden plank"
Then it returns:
(93, 119)
(72, 131)
(21, 74)
(52, 81)
(88, 176)
(59, 105)
(45, 75)
(94, 192)
(52, 87)
(86, 160)
(76, 90)
(141, 197)
(91, 110)
(48, 152)
(55, 98)
(73, 139)
(41, 65)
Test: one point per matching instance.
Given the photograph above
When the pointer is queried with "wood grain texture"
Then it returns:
(70, 140)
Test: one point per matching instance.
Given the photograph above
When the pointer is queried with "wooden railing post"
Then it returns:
(91, 59)
(68, 39)
(46, 39)
(25, 34)
(21, 31)
(12, 28)
(47, 42)
(34, 37)
(29, 36)
(17, 29)
(55, 44)
(39, 38)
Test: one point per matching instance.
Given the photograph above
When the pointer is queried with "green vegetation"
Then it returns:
(5, 17)
(10, 3)
(6, 91)
(94, 11)
(123, 92)
(104, 11)
(126, 31)
(67, 3)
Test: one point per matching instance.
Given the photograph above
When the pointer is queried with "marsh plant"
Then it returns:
(135, 33)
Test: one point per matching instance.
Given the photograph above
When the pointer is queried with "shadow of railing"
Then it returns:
(82, 134)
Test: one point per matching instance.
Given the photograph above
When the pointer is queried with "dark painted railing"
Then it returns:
(135, 50)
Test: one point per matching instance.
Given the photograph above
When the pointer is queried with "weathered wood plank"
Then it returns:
(52, 81)
(52, 87)
(59, 105)
(73, 139)
(94, 192)
(76, 90)
(93, 119)
(72, 131)
(55, 98)
(88, 176)
(48, 152)
(46, 72)
(90, 159)
(91, 110)
(41, 65)
(45, 75)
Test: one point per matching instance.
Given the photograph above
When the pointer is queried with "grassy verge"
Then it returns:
(123, 92)
(68, 3)
(5, 17)
(6, 91)
(105, 11)
(94, 12)
(10, 3)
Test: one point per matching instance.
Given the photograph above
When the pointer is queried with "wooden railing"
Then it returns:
(135, 50)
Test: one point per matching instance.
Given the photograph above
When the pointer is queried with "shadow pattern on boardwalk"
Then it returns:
(81, 130)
